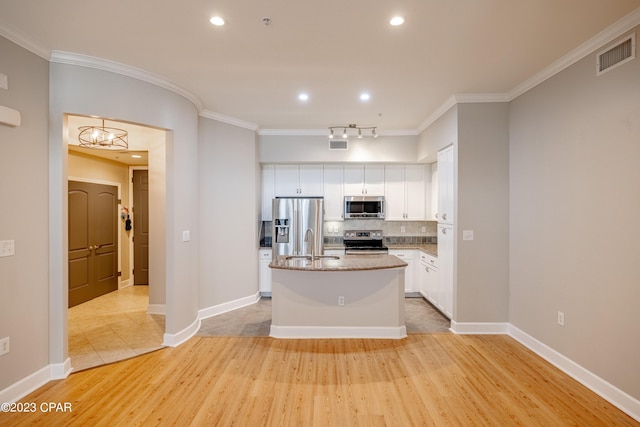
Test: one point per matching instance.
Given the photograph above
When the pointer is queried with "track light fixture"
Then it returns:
(347, 128)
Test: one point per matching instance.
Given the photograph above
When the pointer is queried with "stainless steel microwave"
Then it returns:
(364, 207)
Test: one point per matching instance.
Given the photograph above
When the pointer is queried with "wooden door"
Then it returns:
(93, 241)
(140, 227)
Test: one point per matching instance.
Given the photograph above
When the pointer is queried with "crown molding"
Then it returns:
(293, 132)
(70, 58)
(478, 98)
(439, 112)
(19, 38)
(228, 120)
(604, 37)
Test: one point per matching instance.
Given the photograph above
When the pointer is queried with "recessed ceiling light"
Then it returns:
(365, 97)
(396, 20)
(217, 21)
(303, 97)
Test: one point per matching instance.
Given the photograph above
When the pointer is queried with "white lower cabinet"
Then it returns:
(445, 261)
(428, 277)
(264, 273)
(407, 256)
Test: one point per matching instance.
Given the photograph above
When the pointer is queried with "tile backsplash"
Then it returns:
(393, 231)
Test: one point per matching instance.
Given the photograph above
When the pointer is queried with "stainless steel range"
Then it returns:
(364, 242)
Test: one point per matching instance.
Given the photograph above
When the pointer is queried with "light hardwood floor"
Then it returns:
(425, 379)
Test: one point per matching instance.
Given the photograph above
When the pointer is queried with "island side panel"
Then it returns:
(372, 298)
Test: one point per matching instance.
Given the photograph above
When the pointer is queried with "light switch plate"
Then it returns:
(4, 346)
(186, 236)
(4, 81)
(467, 234)
(7, 248)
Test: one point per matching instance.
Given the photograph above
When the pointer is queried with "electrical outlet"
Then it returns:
(4, 81)
(340, 300)
(467, 234)
(403, 229)
(424, 229)
(4, 346)
(560, 318)
(7, 248)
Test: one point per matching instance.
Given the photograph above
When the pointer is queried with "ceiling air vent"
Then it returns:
(338, 145)
(617, 55)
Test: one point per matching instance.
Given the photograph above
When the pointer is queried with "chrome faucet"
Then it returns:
(313, 243)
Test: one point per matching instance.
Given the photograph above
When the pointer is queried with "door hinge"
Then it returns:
(119, 201)
(133, 272)
(119, 273)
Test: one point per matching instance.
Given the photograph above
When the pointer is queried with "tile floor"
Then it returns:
(113, 327)
(255, 320)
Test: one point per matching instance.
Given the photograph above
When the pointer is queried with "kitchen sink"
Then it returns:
(308, 257)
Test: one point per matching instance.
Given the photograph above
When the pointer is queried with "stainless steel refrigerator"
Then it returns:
(292, 218)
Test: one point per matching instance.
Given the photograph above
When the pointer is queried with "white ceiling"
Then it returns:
(330, 49)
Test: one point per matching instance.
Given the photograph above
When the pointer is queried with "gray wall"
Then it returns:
(480, 136)
(301, 149)
(24, 300)
(574, 210)
(440, 134)
(229, 182)
(83, 90)
(482, 269)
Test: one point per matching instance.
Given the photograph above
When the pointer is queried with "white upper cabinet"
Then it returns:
(405, 192)
(298, 181)
(445, 186)
(364, 180)
(268, 191)
(432, 194)
(333, 193)
(416, 192)
(394, 193)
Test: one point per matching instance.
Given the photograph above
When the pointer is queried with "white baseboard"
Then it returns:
(338, 332)
(215, 310)
(482, 328)
(61, 370)
(157, 309)
(20, 389)
(124, 284)
(607, 391)
(174, 340)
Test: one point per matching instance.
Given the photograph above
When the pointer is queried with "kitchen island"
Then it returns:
(351, 296)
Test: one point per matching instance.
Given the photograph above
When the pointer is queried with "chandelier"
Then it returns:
(105, 138)
(347, 129)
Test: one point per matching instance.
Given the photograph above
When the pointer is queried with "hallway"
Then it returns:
(113, 327)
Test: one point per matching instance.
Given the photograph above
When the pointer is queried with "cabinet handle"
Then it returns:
(436, 215)
(444, 216)
(444, 231)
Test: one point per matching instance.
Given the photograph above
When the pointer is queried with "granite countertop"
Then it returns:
(428, 248)
(343, 263)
